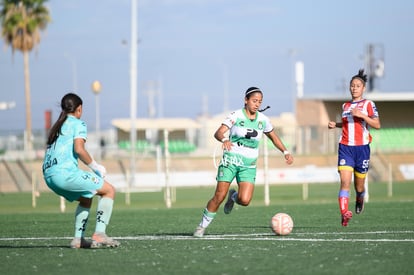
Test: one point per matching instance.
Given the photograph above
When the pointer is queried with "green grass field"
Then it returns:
(157, 240)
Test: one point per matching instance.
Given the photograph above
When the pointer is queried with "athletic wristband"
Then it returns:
(224, 139)
(286, 152)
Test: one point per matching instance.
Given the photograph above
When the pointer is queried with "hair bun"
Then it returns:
(361, 75)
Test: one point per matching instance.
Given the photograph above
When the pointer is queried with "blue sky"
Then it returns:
(204, 53)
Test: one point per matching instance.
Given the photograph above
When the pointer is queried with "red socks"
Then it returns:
(343, 204)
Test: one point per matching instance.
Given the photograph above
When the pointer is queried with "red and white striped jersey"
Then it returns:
(355, 130)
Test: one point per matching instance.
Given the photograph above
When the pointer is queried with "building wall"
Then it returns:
(396, 114)
(311, 112)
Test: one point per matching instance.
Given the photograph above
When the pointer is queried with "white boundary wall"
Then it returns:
(151, 181)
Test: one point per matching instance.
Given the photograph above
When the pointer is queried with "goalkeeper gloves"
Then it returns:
(97, 168)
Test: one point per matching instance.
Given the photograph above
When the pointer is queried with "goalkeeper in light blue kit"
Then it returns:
(241, 150)
(65, 145)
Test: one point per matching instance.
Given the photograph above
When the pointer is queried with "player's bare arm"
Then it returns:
(79, 147)
(333, 125)
(279, 145)
(221, 136)
(374, 122)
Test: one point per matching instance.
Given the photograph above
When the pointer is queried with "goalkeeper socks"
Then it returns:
(81, 220)
(343, 200)
(207, 218)
(103, 214)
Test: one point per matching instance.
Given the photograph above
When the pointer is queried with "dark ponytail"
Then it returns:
(69, 103)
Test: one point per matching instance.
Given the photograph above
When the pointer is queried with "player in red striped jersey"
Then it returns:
(358, 115)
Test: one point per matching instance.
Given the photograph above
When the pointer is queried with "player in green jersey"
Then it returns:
(246, 127)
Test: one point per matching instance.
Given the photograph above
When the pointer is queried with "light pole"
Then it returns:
(374, 64)
(96, 89)
(74, 72)
(133, 93)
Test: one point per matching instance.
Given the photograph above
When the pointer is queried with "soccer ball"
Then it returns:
(281, 223)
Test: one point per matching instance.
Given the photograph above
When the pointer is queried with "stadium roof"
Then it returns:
(375, 96)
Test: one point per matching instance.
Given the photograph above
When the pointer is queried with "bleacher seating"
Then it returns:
(393, 139)
(140, 145)
(175, 146)
(179, 146)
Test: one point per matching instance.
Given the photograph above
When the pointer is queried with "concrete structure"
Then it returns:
(199, 132)
(314, 113)
(153, 129)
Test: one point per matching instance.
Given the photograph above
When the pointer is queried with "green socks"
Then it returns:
(207, 218)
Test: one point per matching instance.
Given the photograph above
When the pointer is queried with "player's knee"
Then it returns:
(107, 190)
(112, 190)
(243, 201)
(85, 202)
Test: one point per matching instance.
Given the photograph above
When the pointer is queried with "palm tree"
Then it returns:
(21, 22)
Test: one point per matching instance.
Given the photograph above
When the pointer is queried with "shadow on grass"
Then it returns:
(25, 246)
(164, 234)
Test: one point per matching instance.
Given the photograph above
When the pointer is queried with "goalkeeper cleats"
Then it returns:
(80, 242)
(101, 240)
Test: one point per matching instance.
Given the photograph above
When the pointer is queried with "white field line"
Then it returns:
(254, 237)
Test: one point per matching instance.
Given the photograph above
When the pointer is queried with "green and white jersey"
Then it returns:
(245, 135)
(61, 157)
